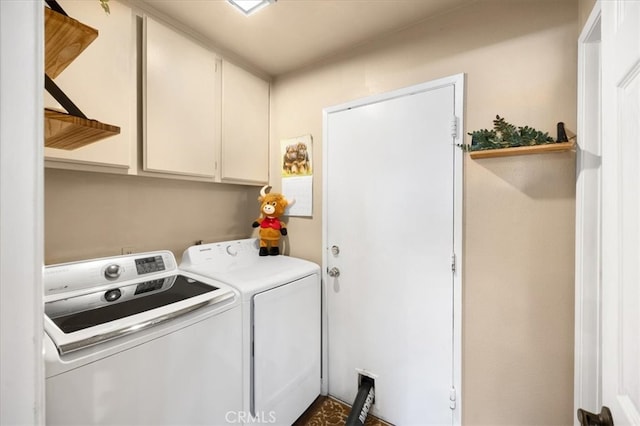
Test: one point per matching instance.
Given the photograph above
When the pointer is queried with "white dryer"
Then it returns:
(281, 316)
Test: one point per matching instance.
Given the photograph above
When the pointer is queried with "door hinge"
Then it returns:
(454, 127)
(452, 398)
(453, 262)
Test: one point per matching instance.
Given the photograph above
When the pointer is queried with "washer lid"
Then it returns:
(86, 320)
(89, 310)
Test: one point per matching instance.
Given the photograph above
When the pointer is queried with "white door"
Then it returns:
(621, 210)
(391, 228)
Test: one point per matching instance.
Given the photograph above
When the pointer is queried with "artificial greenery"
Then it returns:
(105, 6)
(506, 135)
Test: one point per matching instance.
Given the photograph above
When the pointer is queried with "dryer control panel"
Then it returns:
(222, 256)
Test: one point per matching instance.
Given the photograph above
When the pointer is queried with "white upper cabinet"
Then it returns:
(245, 127)
(101, 83)
(181, 96)
(201, 118)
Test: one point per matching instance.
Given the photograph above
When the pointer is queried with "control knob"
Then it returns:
(112, 271)
(113, 295)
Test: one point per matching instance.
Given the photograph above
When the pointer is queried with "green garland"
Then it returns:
(505, 135)
(105, 6)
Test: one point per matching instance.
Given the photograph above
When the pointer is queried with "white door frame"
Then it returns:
(458, 81)
(21, 212)
(588, 369)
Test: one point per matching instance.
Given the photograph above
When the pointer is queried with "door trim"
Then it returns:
(22, 398)
(457, 81)
(588, 333)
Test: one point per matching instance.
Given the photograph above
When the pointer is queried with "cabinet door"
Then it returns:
(245, 126)
(101, 82)
(180, 90)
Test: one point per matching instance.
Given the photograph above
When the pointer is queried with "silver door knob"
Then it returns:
(335, 250)
(334, 272)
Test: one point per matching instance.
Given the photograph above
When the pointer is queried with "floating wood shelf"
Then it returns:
(522, 150)
(65, 131)
(64, 39)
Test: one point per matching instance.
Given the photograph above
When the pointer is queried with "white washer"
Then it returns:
(132, 340)
(281, 325)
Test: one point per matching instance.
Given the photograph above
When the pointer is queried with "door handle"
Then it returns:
(589, 419)
(334, 272)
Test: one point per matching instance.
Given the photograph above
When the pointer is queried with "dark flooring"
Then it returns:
(327, 411)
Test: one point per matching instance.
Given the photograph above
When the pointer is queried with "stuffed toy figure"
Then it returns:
(272, 206)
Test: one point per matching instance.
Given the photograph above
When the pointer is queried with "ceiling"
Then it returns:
(291, 34)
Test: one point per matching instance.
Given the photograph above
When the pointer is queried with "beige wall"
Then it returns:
(91, 215)
(520, 61)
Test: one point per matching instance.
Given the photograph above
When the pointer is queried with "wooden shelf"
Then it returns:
(64, 39)
(65, 131)
(523, 150)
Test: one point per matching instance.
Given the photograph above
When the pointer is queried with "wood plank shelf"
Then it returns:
(65, 131)
(522, 150)
(65, 39)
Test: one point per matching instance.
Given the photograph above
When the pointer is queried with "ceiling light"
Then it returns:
(249, 6)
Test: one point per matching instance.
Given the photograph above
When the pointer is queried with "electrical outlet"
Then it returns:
(128, 250)
(365, 373)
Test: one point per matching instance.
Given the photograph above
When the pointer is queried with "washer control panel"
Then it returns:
(78, 277)
(149, 264)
